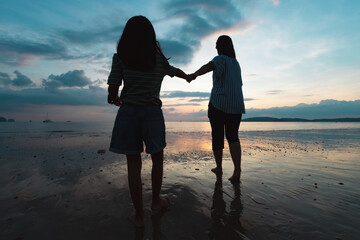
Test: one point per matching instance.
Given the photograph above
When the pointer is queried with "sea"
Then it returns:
(40, 128)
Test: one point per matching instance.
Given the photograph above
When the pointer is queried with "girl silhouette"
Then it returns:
(140, 66)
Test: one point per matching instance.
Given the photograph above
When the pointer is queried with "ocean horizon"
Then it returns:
(40, 128)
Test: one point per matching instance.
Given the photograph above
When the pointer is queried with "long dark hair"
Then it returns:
(137, 46)
(225, 46)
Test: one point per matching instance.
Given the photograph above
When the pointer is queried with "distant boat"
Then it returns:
(47, 120)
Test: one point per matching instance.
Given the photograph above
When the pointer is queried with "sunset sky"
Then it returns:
(298, 58)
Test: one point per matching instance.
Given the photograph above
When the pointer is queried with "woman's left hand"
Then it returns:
(114, 100)
(118, 101)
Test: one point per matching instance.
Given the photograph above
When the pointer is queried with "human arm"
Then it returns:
(205, 69)
(113, 91)
(179, 73)
(114, 81)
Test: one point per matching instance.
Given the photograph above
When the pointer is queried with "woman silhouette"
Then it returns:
(141, 66)
(226, 104)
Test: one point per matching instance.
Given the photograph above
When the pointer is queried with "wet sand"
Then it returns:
(294, 185)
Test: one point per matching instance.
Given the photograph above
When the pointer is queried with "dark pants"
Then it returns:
(219, 121)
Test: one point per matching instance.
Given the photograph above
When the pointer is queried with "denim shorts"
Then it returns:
(135, 125)
(221, 121)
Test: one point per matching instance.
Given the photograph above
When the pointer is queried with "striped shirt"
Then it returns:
(140, 88)
(226, 94)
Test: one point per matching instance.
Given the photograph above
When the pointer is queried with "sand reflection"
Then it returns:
(226, 224)
(188, 142)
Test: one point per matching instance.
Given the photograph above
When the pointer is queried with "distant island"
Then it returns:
(2, 119)
(271, 119)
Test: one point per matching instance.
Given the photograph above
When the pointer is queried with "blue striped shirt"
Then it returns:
(226, 94)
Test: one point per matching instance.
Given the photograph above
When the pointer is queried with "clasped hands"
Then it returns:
(190, 77)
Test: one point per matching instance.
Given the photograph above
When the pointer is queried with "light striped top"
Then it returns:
(140, 88)
(226, 94)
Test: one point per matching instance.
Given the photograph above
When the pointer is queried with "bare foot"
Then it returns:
(138, 220)
(234, 178)
(217, 171)
(163, 203)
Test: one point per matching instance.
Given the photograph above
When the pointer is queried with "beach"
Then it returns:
(295, 184)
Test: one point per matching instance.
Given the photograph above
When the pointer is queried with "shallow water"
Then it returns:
(294, 185)
(64, 128)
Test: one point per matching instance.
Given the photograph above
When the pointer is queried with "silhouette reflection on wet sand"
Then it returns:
(226, 225)
(155, 227)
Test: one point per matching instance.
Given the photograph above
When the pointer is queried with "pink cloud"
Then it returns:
(18, 59)
(275, 2)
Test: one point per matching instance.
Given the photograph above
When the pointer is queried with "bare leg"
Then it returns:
(235, 151)
(218, 159)
(135, 185)
(156, 180)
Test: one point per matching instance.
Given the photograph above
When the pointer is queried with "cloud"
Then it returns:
(275, 2)
(176, 94)
(72, 88)
(19, 81)
(37, 46)
(274, 92)
(199, 99)
(4, 79)
(191, 21)
(200, 113)
(171, 114)
(176, 50)
(325, 109)
(181, 104)
(74, 78)
(21, 51)
(170, 109)
(13, 100)
(202, 17)
(17, 51)
(196, 96)
(197, 19)
(100, 34)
